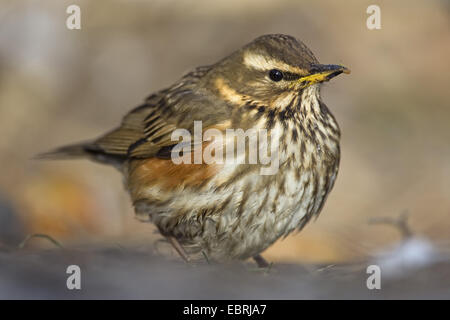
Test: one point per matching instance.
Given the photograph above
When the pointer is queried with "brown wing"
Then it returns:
(146, 131)
(135, 131)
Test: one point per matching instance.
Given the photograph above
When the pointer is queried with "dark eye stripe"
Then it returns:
(289, 76)
(277, 75)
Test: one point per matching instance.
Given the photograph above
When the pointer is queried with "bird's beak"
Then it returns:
(322, 72)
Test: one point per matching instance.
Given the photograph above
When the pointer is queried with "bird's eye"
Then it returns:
(275, 75)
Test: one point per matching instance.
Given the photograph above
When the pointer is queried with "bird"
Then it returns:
(228, 210)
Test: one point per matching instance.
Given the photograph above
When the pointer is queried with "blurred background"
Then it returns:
(59, 86)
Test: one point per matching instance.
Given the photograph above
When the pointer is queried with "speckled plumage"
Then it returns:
(229, 210)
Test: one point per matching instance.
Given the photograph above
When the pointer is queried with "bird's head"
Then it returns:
(269, 68)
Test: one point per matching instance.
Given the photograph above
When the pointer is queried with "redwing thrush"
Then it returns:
(230, 210)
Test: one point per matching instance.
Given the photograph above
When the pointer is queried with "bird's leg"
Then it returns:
(206, 257)
(261, 262)
(174, 242)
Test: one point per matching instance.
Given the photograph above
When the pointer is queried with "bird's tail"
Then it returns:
(79, 150)
(88, 150)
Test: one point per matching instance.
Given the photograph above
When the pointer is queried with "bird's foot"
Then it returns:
(179, 249)
(263, 265)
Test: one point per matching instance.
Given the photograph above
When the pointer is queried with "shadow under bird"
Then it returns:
(229, 210)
